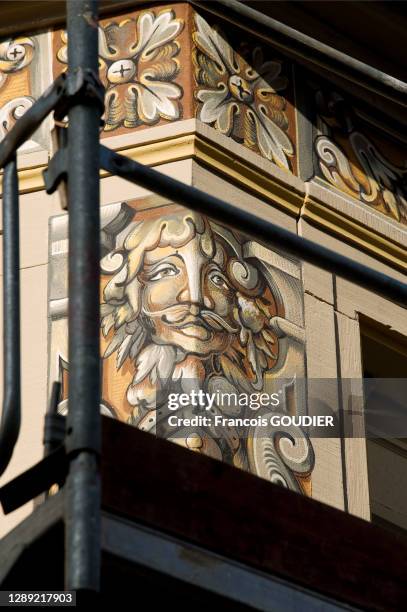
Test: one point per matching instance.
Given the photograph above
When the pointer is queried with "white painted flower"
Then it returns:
(238, 94)
(138, 66)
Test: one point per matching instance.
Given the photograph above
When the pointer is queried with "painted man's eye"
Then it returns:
(219, 280)
(163, 273)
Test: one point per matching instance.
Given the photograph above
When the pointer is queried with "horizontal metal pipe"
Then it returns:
(257, 227)
(11, 414)
(300, 45)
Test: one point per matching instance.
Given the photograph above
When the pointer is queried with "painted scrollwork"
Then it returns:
(281, 455)
(138, 66)
(374, 180)
(238, 94)
(15, 55)
(11, 111)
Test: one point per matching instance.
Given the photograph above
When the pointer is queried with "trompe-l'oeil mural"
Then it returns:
(15, 56)
(165, 64)
(350, 159)
(238, 93)
(138, 65)
(188, 306)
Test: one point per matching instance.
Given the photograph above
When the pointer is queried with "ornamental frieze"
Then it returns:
(240, 92)
(15, 82)
(139, 66)
(354, 157)
(25, 74)
(161, 65)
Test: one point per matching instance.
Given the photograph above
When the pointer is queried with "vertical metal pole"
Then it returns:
(82, 518)
(11, 413)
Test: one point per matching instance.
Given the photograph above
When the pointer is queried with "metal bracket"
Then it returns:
(82, 86)
(34, 481)
(55, 424)
(56, 172)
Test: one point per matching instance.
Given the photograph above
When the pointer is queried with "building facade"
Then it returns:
(188, 305)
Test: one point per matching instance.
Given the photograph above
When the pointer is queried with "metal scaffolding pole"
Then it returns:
(11, 413)
(83, 438)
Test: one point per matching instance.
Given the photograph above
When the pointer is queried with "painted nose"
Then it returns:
(192, 295)
(196, 298)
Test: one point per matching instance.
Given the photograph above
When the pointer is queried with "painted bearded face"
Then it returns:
(181, 291)
(188, 305)
(188, 298)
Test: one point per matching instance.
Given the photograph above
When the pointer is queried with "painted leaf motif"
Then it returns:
(155, 361)
(273, 142)
(154, 32)
(213, 103)
(13, 110)
(214, 46)
(155, 99)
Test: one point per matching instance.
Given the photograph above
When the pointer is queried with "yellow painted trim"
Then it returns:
(255, 180)
(193, 146)
(154, 153)
(355, 234)
(248, 176)
(29, 179)
(242, 173)
(151, 154)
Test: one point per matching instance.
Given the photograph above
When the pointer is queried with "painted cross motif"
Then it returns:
(15, 56)
(138, 66)
(239, 94)
(122, 71)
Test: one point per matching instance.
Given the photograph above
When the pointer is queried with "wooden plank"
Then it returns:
(203, 570)
(245, 518)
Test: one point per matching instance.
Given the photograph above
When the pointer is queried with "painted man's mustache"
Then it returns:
(217, 322)
(178, 313)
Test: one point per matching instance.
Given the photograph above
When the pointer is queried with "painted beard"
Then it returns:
(174, 371)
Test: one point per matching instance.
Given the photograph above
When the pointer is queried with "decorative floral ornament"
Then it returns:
(377, 182)
(240, 98)
(14, 56)
(137, 65)
(62, 53)
(11, 111)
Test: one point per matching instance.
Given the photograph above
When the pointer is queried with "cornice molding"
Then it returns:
(355, 233)
(256, 180)
(247, 176)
